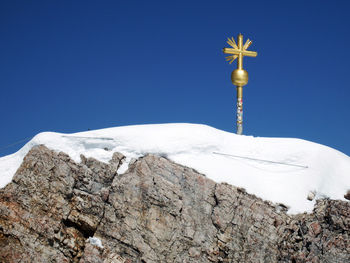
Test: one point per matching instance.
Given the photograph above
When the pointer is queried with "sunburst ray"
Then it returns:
(232, 43)
(232, 58)
(247, 44)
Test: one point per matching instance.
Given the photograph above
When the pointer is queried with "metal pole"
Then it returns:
(239, 110)
(240, 89)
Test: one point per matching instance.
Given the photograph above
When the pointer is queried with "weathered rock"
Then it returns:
(347, 195)
(157, 211)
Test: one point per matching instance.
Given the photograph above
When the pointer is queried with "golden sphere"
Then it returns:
(239, 77)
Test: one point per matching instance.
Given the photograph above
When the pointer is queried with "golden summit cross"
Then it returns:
(239, 76)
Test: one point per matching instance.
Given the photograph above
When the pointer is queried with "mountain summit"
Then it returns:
(282, 170)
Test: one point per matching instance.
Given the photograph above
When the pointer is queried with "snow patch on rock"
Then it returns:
(95, 241)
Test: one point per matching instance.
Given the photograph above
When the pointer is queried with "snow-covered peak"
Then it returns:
(281, 170)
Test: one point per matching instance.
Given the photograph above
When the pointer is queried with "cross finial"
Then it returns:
(239, 76)
(238, 51)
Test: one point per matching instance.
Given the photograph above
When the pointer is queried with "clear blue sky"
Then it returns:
(69, 66)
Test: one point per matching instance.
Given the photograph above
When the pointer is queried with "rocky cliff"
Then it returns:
(56, 210)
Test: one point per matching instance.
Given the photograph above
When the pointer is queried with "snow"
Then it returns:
(125, 165)
(95, 241)
(320, 172)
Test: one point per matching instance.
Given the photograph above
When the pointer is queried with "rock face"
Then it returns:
(158, 211)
